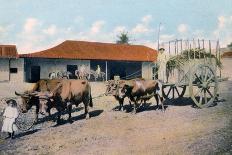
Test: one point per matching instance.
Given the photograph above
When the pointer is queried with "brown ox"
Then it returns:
(67, 93)
(114, 88)
(29, 99)
(47, 94)
(136, 90)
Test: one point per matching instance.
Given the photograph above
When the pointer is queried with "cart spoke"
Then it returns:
(206, 75)
(200, 100)
(211, 77)
(198, 77)
(177, 91)
(205, 97)
(169, 91)
(173, 92)
(209, 92)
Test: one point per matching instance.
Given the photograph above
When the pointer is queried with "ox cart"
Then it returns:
(193, 66)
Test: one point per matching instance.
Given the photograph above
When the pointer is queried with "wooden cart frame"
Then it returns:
(198, 75)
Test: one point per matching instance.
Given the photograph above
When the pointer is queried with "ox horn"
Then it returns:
(20, 94)
(43, 94)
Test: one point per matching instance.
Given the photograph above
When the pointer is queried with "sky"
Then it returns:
(34, 25)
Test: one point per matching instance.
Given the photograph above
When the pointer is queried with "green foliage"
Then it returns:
(187, 55)
(123, 38)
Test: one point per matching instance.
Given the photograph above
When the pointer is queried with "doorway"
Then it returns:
(72, 69)
(35, 73)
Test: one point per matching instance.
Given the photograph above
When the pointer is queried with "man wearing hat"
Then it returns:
(10, 115)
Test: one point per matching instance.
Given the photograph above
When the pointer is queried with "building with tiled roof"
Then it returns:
(11, 68)
(83, 50)
(126, 61)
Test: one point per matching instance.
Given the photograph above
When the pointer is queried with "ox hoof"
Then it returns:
(87, 116)
(134, 112)
(70, 121)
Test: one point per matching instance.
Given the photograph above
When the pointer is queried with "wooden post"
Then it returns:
(190, 50)
(219, 59)
(203, 42)
(9, 69)
(177, 46)
(217, 50)
(210, 49)
(194, 52)
(181, 44)
(106, 71)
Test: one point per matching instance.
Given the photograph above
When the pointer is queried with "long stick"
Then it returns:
(181, 45)
(210, 49)
(194, 52)
(158, 37)
(219, 59)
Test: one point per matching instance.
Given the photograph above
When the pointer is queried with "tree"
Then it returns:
(230, 45)
(123, 38)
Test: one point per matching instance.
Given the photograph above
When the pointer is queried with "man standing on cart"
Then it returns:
(162, 60)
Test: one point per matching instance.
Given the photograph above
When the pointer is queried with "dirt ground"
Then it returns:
(181, 129)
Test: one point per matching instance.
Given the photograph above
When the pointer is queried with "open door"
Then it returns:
(72, 69)
(35, 73)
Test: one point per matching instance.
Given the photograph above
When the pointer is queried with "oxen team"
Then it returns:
(63, 93)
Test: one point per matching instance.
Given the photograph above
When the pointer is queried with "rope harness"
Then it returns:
(101, 95)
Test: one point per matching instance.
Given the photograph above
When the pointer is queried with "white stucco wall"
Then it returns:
(5, 74)
(52, 65)
(19, 64)
(4, 69)
(147, 70)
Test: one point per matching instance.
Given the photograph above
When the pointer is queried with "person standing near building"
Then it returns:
(98, 71)
(162, 60)
(10, 114)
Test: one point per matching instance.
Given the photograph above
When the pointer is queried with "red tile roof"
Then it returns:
(8, 51)
(96, 51)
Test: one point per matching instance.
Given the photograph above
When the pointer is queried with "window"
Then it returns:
(13, 70)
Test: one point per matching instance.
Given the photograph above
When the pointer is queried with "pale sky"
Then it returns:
(35, 25)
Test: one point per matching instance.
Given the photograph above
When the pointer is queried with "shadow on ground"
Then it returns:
(142, 107)
(184, 101)
(22, 134)
(54, 116)
(94, 113)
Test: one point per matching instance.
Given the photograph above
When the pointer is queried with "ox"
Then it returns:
(142, 90)
(136, 90)
(66, 94)
(114, 88)
(29, 98)
(62, 94)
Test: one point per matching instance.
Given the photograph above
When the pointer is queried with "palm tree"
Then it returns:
(123, 38)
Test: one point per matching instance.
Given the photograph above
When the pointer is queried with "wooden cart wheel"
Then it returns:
(173, 91)
(26, 121)
(203, 86)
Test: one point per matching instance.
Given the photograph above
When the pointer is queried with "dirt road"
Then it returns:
(182, 129)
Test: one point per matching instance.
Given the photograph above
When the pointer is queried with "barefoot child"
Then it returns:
(10, 115)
